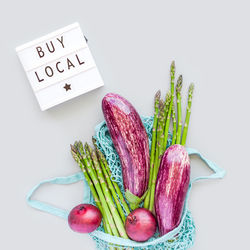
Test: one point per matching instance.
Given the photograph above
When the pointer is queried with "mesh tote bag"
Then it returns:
(181, 237)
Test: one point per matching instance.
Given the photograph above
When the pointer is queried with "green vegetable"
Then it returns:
(103, 160)
(77, 157)
(174, 125)
(166, 106)
(160, 130)
(153, 147)
(178, 96)
(172, 76)
(109, 182)
(188, 112)
(90, 183)
(159, 149)
(108, 196)
(164, 118)
(89, 166)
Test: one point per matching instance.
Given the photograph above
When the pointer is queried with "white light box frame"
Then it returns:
(59, 66)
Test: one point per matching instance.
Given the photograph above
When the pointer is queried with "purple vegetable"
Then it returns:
(131, 143)
(171, 188)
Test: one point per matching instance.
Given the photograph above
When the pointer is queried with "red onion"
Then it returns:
(84, 218)
(140, 224)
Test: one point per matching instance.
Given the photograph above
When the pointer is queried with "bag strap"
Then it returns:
(218, 172)
(58, 180)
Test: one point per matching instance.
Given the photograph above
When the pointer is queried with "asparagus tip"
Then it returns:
(158, 95)
(161, 105)
(172, 67)
(80, 148)
(179, 84)
(72, 147)
(191, 88)
(74, 153)
(168, 96)
(180, 79)
(88, 148)
(94, 140)
(76, 144)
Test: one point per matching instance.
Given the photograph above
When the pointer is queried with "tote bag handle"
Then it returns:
(218, 173)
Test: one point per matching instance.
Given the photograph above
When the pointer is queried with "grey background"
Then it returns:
(133, 43)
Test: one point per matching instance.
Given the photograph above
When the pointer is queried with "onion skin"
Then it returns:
(140, 224)
(130, 140)
(84, 218)
(171, 188)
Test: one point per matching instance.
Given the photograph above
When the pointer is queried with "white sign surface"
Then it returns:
(59, 66)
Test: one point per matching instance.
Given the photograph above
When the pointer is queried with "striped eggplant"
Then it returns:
(131, 143)
(171, 188)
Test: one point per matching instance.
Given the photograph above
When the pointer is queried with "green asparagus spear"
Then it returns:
(166, 106)
(178, 96)
(111, 187)
(157, 156)
(112, 190)
(90, 183)
(117, 218)
(188, 112)
(153, 146)
(174, 125)
(161, 130)
(106, 225)
(172, 76)
(102, 195)
(104, 163)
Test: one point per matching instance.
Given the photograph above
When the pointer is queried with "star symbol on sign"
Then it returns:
(67, 86)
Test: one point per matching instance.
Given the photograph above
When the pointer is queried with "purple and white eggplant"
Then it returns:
(131, 143)
(171, 188)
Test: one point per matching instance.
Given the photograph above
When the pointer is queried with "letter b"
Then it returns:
(40, 51)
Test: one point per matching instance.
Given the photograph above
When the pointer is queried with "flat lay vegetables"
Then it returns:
(156, 179)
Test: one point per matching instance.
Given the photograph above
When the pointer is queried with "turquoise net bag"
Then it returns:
(181, 237)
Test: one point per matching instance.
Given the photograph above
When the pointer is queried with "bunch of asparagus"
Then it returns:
(107, 194)
(164, 112)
